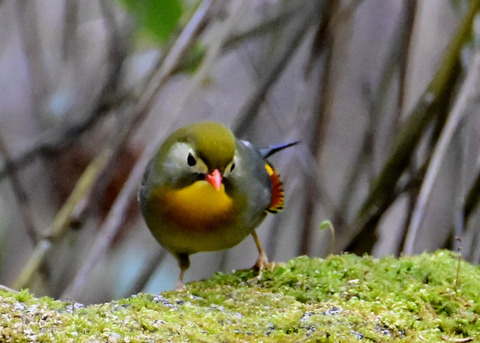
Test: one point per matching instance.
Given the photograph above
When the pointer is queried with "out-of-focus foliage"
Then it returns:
(159, 17)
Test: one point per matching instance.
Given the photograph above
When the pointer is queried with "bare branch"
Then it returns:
(20, 194)
(467, 95)
(439, 89)
(32, 47)
(315, 131)
(395, 62)
(147, 270)
(265, 27)
(292, 42)
(70, 22)
(61, 222)
(472, 199)
(2, 287)
(115, 217)
(61, 137)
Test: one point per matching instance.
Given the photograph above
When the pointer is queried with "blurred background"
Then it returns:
(382, 94)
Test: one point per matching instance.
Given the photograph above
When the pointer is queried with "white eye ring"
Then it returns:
(183, 157)
(230, 168)
(195, 164)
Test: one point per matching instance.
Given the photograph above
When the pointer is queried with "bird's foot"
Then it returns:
(262, 263)
(179, 286)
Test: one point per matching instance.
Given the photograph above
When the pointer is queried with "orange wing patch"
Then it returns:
(277, 202)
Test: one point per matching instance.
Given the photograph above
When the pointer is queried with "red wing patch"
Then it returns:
(277, 202)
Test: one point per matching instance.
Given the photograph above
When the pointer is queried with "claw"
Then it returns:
(262, 261)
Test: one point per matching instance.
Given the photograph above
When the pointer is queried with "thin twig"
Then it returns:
(395, 62)
(410, 12)
(2, 287)
(27, 16)
(115, 216)
(316, 127)
(412, 130)
(61, 222)
(462, 145)
(257, 98)
(472, 198)
(56, 139)
(265, 27)
(147, 271)
(292, 42)
(109, 228)
(127, 124)
(327, 27)
(61, 137)
(467, 95)
(70, 22)
(20, 194)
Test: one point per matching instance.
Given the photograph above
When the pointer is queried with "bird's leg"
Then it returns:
(262, 261)
(183, 263)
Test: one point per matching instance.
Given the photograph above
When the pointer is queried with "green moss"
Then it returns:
(344, 298)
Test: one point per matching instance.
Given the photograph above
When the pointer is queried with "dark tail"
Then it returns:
(272, 149)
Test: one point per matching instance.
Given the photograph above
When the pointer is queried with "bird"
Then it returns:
(206, 190)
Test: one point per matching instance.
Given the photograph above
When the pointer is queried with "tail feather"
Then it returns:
(272, 149)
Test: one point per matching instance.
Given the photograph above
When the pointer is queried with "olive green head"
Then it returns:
(212, 142)
(190, 153)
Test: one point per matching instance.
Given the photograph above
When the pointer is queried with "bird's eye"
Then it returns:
(191, 160)
(232, 167)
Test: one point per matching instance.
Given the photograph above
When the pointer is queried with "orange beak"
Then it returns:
(215, 179)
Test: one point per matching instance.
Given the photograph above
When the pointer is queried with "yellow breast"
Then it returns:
(198, 207)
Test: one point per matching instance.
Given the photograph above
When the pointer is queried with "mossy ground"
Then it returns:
(343, 298)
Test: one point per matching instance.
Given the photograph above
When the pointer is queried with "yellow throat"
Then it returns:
(199, 206)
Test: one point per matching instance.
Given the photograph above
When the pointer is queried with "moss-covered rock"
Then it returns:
(343, 298)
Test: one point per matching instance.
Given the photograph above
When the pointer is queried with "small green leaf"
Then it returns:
(327, 224)
(158, 17)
